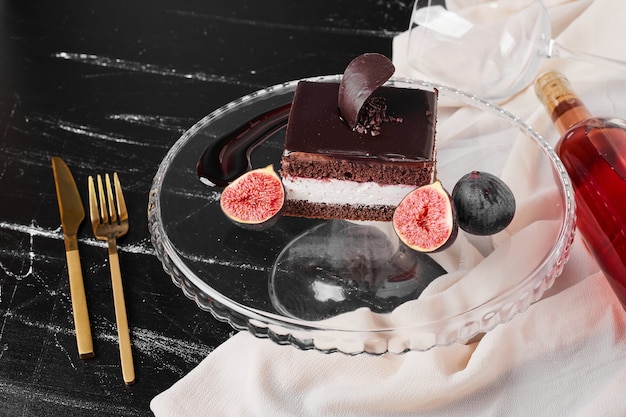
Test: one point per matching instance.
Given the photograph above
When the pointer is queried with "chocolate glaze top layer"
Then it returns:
(315, 125)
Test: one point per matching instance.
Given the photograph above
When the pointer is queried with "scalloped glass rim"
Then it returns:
(326, 338)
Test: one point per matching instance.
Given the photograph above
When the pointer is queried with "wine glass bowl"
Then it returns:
(491, 48)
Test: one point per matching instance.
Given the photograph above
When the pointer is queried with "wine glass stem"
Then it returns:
(556, 50)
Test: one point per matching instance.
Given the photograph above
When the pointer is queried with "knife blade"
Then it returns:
(72, 215)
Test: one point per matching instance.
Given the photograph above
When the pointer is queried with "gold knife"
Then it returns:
(72, 215)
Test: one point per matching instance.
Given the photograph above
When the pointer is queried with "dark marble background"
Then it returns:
(110, 86)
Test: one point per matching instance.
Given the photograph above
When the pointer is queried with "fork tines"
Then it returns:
(110, 206)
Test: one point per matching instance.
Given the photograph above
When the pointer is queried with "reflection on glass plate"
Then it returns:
(349, 286)
(337, 267)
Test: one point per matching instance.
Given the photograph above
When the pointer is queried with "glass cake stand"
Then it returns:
(350, 286)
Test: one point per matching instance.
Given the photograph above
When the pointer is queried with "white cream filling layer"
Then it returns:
(333, 191)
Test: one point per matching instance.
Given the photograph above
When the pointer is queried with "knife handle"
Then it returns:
(79, 306)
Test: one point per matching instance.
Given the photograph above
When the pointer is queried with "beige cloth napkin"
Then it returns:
(564, 356)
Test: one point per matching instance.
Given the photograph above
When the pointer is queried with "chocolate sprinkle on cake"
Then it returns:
(372, 115)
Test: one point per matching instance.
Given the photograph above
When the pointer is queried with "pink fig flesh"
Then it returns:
(425, 219)
(255, 199)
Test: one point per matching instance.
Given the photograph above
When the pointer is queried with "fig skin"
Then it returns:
(485, 205)
(425, 220)
(255, 200)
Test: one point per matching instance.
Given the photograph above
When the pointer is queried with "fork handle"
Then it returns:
(123, 333)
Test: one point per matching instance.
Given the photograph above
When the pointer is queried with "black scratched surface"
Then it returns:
(110, 86)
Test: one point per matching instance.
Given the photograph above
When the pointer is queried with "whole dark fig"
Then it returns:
(485, 205)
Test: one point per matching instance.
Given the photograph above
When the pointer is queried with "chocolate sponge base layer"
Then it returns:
(301, 208)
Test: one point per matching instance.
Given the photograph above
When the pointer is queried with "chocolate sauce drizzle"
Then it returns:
(228, 157)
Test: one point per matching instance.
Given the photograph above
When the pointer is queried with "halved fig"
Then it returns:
(425, 220)
(255, 200)
(485, 205)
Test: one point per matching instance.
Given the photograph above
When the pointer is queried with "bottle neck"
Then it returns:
(564, 106)
(568, 113)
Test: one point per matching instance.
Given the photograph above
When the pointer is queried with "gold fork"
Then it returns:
(109, 219)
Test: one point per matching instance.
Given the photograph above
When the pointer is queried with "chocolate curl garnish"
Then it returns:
(363, 75)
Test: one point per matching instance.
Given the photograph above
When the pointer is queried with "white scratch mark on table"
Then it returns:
(31, 394)
(30, 259)
(156, 345)
(140, 249)
(35, 230)
(18, 277)
(150, 343)
(11, 115)
(4, 323)
(210, 196)
(70, 358)
(87, 131)
(382, 33)
(221, 262)
(176, 124)
(108, 62)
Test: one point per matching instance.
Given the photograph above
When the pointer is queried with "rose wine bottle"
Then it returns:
(593, 151)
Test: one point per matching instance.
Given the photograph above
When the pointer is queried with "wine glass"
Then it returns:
(491, 48)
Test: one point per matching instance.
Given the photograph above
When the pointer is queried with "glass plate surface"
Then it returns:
(271, 284)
